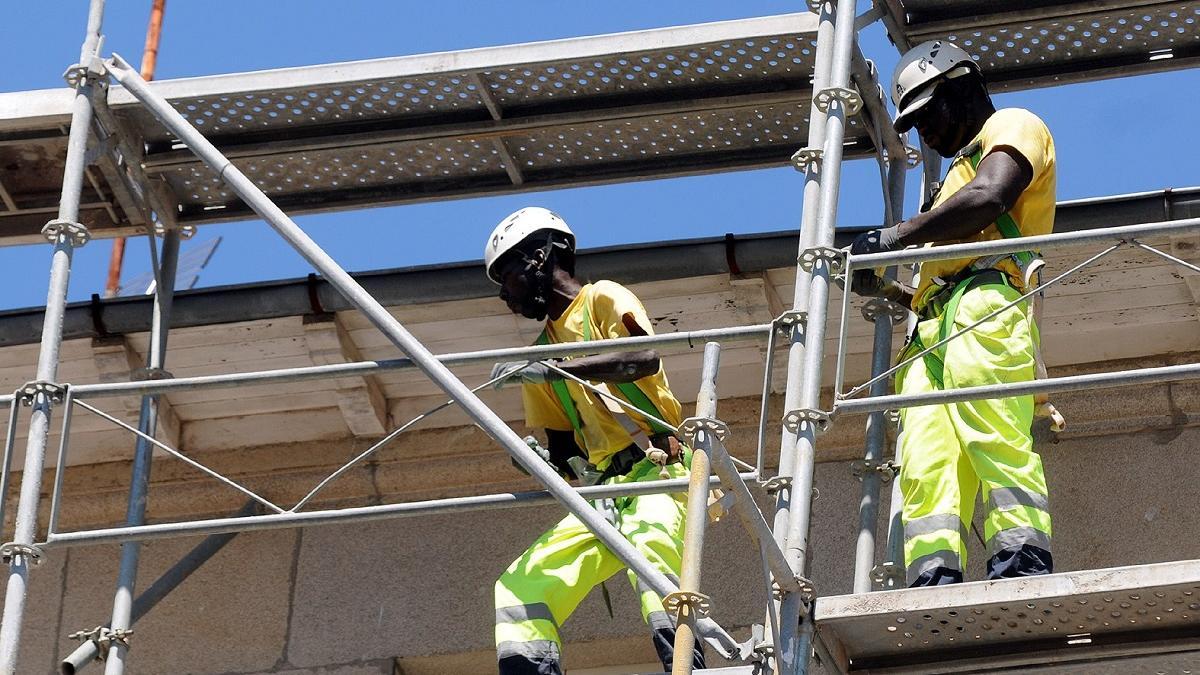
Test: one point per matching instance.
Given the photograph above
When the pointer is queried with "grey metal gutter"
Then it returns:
(629, 264)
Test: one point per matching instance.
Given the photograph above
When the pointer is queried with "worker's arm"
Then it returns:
(615, 367)
(1001, 178)
(999, 181)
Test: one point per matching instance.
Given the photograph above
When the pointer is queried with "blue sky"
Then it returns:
(1112, 137)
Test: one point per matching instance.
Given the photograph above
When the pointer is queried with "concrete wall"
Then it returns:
(413, 596)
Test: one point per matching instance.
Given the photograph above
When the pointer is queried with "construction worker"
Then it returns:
(1000, 184)
(531, 255)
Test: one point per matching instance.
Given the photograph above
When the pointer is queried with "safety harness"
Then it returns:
(620, 463)
(981, 272)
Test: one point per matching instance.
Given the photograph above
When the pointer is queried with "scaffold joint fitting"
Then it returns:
(807, 158)
(76, 233)
(886, 470)
(12, 549)
(185, 231)
(913, 156)
(892, 416)
(29, 391)
(849, 99)
(817, 419)
(692, 426)
(689, 604)
(148, 374)
(834, 257)
(89, 72)
(803, 586)
(791, 323)
(888, 575)
(104, 638)
(774, 484)
(877, 307)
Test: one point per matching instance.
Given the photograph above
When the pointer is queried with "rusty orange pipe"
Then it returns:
(149, 60)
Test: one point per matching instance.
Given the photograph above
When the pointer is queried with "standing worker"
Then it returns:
(1000, 184)
(531, 255)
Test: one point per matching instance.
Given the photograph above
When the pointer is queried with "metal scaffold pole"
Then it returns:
(697, 515)
(387, 324)
(884, 314)
(135, 513)
(67, 234)
(804, 377)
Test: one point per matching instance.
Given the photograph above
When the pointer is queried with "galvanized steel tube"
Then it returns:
(135, 510)
(488, 420)
(47, 368)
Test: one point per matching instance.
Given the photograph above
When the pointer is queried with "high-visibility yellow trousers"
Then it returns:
(542, 587)
(949, 451)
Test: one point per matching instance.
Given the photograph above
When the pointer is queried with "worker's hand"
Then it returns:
(511, 372)
(870, 284)
(877, 241)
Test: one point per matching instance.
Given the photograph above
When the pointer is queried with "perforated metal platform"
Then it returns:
(664, 102)
(1143, 618)
(1022, 44)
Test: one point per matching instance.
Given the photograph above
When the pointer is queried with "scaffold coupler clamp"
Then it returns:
(888, 575)
(53, 391)
(76, 233)
(887, 470)
(148, 374)
(774, 484)
(913, 156)
(104, 638)
(690, 605)
(807, 158)
(88, 72)
(877, 307)
(835, 258)
(791, 324)
(802, 585)
(795, 420)
(758, 648)
(849, 99)
(692, 426)
(10, 550)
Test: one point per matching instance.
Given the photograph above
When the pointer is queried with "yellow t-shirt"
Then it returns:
(604, 304)
(1024, 132)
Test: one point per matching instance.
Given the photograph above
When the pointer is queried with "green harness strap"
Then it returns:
(1005, 224)
(630, 390)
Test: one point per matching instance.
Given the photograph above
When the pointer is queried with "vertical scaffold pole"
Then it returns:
(69, 235)
(797, 337)
(697, 511)
(877, 423)
(135, 511)
(796, 629)
(378, 315)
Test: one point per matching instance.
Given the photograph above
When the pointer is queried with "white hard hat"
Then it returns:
(518, 227)
(918, 69)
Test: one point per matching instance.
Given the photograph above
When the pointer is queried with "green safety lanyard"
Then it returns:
(631, 391)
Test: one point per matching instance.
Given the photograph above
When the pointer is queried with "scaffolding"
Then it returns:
(665, 102)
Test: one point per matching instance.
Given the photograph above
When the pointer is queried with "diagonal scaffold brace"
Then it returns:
(487, 419)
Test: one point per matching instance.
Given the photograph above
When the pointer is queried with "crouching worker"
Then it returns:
(531, 255)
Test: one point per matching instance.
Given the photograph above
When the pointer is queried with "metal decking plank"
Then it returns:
(1061, 616)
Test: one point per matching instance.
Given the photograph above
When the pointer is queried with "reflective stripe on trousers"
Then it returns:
(542, 587)
(951, 450)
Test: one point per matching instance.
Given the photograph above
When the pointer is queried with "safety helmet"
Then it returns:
(518, 227)
(919, 69)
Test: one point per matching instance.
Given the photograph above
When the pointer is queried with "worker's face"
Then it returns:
(518, 287)
(942, 122)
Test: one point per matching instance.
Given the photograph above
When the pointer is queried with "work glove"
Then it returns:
(866, 282)
(521, 372)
